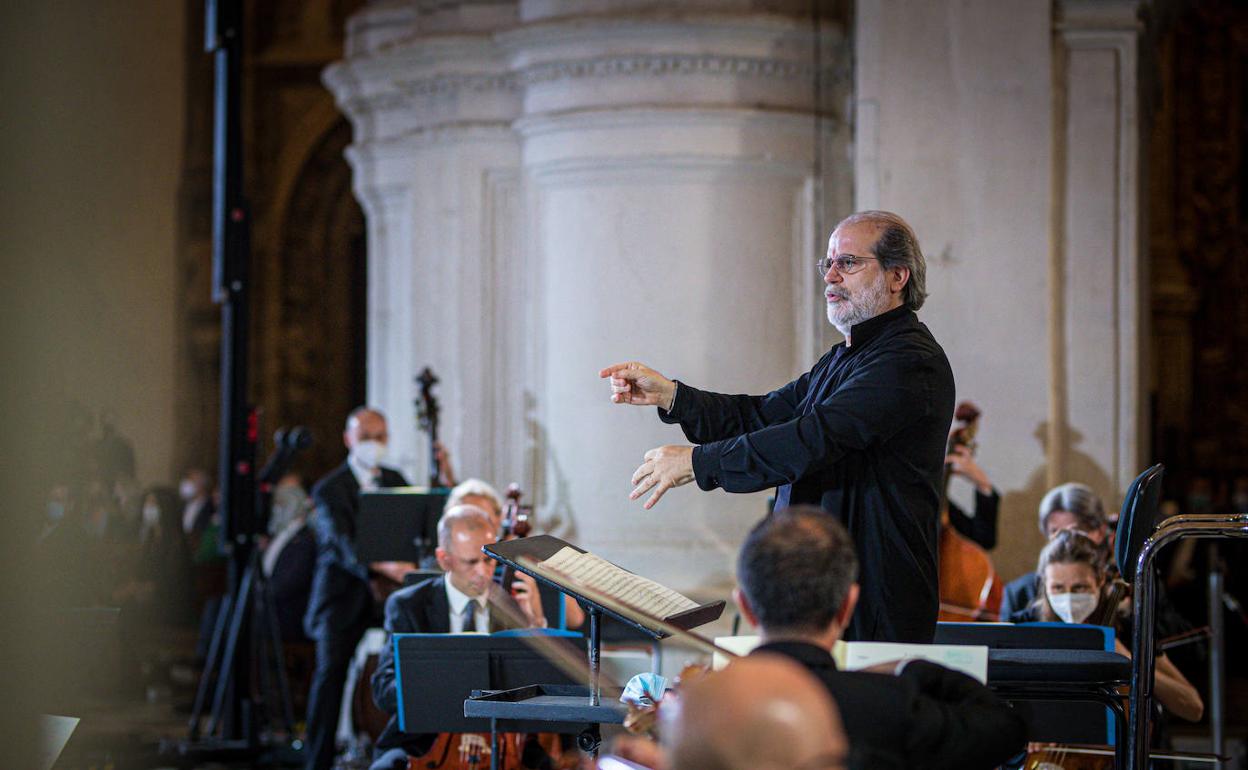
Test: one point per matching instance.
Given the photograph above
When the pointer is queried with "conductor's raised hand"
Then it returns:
(665, 467)
(635, 383)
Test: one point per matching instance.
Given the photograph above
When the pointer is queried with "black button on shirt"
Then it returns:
(862, 435)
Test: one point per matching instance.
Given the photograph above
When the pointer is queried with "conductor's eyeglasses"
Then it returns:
(845, 265)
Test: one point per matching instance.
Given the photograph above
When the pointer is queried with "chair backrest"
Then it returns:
(1138, 518)
(1026, 636)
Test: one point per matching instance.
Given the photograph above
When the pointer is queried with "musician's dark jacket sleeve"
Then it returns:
(982, 527)
(929, 716)
(959, 723)
(422, 608)
(340, 593)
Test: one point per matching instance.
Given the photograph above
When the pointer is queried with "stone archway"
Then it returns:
(312, 372)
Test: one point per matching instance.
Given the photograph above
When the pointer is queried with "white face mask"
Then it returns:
(186, 489)
(151, 515)
(1073, 608)
(369, 453)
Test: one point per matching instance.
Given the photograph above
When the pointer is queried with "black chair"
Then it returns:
(1094, 675)
(1138, 546)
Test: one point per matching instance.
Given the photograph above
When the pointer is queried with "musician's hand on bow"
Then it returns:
(635, 383)
(524, 591)
(665, 467)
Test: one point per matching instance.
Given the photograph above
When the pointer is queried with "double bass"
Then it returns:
(969, 586)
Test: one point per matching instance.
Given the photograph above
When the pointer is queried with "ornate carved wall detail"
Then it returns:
(668, 64)
(1200, 146)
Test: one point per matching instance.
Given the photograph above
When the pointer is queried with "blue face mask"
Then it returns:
(56, 510)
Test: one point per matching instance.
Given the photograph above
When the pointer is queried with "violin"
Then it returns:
(969, 586)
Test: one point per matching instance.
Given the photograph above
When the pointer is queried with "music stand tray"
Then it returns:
(545, 703)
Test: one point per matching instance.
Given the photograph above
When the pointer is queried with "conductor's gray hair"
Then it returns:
(466, 517)
(897, 246)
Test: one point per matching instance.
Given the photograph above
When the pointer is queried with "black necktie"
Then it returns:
(470, 616)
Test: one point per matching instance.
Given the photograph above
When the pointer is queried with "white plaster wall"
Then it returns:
(1021, 186)
(955, 99)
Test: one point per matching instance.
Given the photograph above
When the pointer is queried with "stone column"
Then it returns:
(582, 187)
(669, 167)
(432, 102)
(1100, 309)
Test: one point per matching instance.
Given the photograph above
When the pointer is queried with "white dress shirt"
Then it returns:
(369, 479)
(458, 601)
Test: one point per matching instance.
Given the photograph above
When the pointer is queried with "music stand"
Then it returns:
(436, 674)
(535, 703)
(398, 524)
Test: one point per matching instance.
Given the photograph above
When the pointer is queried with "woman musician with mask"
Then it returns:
(1074, 589)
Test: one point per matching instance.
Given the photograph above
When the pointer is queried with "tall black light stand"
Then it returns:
(234, 726)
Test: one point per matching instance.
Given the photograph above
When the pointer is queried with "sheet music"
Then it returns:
(618, 583)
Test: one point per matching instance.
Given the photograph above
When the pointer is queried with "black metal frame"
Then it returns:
(1143, 663)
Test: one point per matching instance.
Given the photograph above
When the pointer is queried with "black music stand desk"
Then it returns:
(546, 702)
(436, 674)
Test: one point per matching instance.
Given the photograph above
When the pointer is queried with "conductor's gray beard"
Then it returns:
(856, 307)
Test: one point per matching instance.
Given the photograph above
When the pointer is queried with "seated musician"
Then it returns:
(797, 573)
(1067, 506)
(464, 599)
(1074, 576)
(1075, 507)
(478, 493)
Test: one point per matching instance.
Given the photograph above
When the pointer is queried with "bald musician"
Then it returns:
(797, 572)
(764, 712)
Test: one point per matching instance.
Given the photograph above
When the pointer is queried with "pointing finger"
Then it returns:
(614, 368)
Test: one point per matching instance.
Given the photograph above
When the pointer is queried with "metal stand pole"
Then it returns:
(494, 760)
(1217, 659)
(595, 643)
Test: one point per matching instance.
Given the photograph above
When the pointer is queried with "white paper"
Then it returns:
(969, 659)
(618, 583)
(54, 733)
(741, 645)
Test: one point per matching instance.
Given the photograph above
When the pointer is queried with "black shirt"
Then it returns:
(926, 717)
(862, 435)
(982, 526)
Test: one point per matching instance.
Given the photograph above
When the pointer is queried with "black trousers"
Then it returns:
(334, 649)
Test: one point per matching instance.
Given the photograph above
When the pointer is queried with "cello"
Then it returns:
(969, 586)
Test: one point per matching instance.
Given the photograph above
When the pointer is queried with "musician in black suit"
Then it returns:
(797, 572)
(341, 604)
(464, 599)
